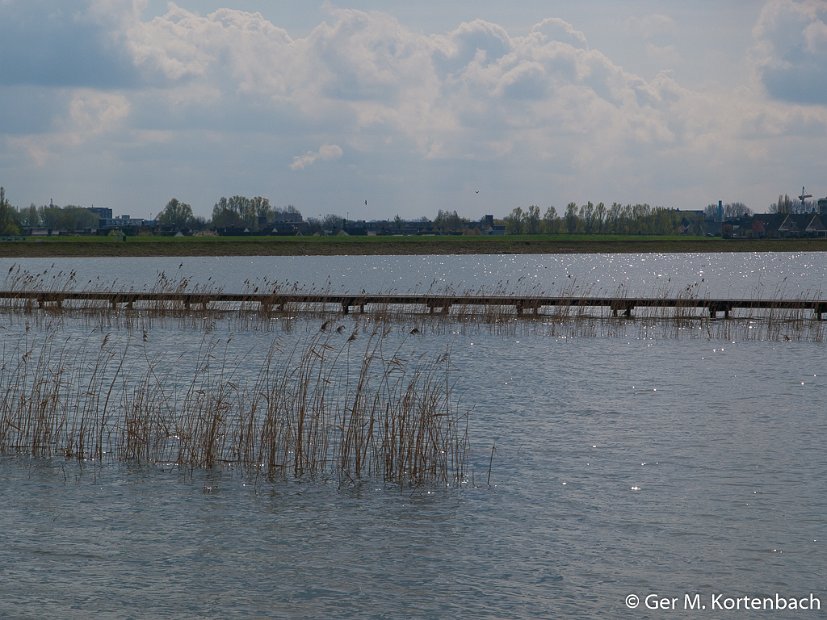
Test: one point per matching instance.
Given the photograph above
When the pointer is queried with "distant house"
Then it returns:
(765, 225)
(712, 228)
(816, 226)
(802, 225)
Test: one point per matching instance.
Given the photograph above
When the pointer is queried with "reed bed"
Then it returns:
(771, 324)
(573, 318)
(328, 408)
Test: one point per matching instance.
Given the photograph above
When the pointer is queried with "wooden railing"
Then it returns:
(268, 302)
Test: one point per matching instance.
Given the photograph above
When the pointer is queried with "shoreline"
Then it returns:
(331, 246)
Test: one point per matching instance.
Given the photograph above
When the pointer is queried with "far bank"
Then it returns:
(392, 245)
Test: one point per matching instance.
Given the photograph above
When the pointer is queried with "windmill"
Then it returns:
(803, 197)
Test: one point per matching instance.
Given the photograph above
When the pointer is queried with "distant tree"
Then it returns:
(551, 222)
(641, 218)
(532, 220)
(242, 212)
(70, 218)
(449, 221)
(734, 210)
(332, 222)
(29, 217)
(515, 221)
(571, 218)
(599, 221)
(737, 210)
(587, 217)
(223, 216)
(289, 213)
(784, 204)
(200, 223)
(616, 221)
(176, 216)
(8, 216)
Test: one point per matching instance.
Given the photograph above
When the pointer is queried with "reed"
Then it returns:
(331, 407)
(572, 318)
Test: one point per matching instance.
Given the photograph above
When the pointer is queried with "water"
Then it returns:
(622, 464)
(739, 275)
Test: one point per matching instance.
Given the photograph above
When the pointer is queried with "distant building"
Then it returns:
(802, 225)
(125, 222)
(104, 215)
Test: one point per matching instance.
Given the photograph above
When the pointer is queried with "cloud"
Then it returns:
(791, 50)
(652, 27)
(89, 115)
(373, 86)
(326, 152)
(555, 29)
(478, 42)
(59, 44)
(228, 102)
(471, 92)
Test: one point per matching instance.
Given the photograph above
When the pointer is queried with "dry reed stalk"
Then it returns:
(574, 318)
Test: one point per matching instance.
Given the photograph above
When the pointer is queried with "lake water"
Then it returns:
(741, 275)
(628, 459)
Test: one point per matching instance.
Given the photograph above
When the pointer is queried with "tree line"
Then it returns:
(591, 218)
(237, 212)
(785, 204)
(257, 215)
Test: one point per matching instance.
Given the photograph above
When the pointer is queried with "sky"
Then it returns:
(372, 109)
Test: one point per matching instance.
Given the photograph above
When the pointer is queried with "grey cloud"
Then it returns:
(365, 81)
(28, 109)
(56, 44)
(361, 56)
(791, 61)
(605, 79)
(554, 29)
(476, 40)
(804, 83)
(526, 81)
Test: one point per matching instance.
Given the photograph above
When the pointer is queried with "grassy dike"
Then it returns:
(328, 246)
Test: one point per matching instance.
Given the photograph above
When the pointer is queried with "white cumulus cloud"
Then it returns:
(229, 101)
(326, 152)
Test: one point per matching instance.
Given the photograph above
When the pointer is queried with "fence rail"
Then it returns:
(269, 302)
